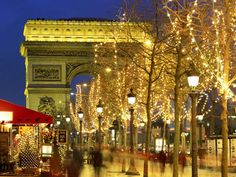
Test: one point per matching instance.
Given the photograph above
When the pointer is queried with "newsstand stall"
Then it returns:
(24, 138)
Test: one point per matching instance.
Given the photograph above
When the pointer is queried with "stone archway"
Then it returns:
(55, 51)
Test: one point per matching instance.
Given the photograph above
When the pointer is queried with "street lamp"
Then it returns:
(99, 111)
(200, 119)
(201, 151)
(58, 123)
(60, 116)
(193, 80)
(131, 100)
(81, 116)
(68, 120)
(68, 132)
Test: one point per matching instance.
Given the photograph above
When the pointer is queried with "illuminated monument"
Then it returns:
(55, 51)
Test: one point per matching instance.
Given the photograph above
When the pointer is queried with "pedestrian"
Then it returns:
(170, 159)
(182, 160)
(201, 155)
(56, 166)
(97, 162)
(76, 164)
(90, 156)
(162, 158)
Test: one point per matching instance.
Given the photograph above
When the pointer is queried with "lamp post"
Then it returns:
(193, 80)
(68, 132)
(58, 120)
(200, 150)
(99, 111)
(200, 118)
(131, 100)
(58, 123)
(81, 116)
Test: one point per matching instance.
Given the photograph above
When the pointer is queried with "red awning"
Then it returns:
(22, 115)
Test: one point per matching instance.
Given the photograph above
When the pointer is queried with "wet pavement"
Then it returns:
(114, 170)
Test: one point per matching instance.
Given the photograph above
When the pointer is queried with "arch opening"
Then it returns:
(80, 79)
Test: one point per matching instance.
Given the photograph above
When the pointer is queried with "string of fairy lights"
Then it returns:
(214, 72)
(205, 52)
(141, 90)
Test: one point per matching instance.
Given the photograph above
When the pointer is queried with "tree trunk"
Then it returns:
(194, 136)
(226, 64)
(163, 136)
(177, 117)
(177, 133)
(136, 138)
(148, 109)
(213, 114)
(224, 123)
(147, 141)
(124, 146)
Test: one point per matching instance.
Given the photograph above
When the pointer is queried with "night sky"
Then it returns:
(14, 14)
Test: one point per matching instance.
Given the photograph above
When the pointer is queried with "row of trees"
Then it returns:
(179, 35)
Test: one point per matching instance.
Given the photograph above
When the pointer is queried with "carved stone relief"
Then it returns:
(46, 72)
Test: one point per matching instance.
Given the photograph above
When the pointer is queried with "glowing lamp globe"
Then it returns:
(193, 81)
(67, 119)
(168, 121)
(58, 122)
(80, 114)
(99, 107)
(142, 124)
(131, 97)
(200, 117)
(193, 76)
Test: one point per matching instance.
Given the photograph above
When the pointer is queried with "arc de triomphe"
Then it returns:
(55, 51)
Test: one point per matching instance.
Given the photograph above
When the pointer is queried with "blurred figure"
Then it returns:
(162, 158)
(56, 166)
(107, 155)
(97, 162)
(170, 159)
(182, 160)
(76, 164)
(201, 155)
(90, 155)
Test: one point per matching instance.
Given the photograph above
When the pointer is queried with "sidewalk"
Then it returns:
(114, 170)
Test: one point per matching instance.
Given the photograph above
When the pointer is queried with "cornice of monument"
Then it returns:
(81, 30)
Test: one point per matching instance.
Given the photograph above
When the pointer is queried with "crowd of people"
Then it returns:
(96, 158)
(164, 158)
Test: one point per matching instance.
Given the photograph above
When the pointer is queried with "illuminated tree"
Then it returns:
(217, 36)
(223, 20)
(177, 44)
(148, 56)
(116, 79)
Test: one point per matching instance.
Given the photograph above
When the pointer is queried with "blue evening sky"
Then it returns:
(14, 14)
